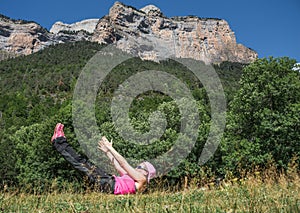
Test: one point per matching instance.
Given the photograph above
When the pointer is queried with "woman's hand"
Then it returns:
(102, 147)
(104, 144)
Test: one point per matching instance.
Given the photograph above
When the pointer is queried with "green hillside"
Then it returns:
(36, 92)
(46, 79)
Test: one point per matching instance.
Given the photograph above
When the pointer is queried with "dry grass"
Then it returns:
(260, 192)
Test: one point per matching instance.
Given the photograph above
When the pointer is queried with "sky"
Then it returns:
(270, 27)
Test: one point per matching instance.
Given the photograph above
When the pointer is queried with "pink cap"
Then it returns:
(151, 170)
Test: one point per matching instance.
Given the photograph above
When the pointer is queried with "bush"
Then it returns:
(263, 121)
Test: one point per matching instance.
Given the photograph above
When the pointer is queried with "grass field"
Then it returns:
(255, 194)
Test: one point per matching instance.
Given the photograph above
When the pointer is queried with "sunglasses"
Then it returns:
(143, 168)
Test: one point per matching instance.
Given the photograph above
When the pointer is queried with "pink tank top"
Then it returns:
(124, 185)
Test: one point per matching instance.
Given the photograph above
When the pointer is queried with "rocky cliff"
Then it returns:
(151, 35)
(87, 25)
(21, 37)
(18, 37)
(146, 32)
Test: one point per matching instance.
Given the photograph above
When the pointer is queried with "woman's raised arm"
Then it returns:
(137, 176)
(116, 164)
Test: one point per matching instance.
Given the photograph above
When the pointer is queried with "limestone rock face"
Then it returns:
(152, 36)
(146, 33)
(87, 25)
(152, 10)
(19, 37)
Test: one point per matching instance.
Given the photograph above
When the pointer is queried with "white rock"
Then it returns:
(149, 8)
(86, 25)
(297, 67)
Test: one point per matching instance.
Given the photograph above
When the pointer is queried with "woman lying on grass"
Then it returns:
(130, 181)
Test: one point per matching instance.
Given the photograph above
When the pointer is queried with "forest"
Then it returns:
(36, 91)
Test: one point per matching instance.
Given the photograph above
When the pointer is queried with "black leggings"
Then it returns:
(96, 176)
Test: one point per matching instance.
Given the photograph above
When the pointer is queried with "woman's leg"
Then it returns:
(78, 162)
(96, 175)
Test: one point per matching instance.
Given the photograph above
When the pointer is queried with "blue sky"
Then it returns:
(270, 27)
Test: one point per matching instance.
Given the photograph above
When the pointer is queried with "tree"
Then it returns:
(36, 162)
(263, 122)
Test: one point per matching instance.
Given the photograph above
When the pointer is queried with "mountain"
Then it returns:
(147, 33)
(87, 25)
(19, 37)
(151, 35)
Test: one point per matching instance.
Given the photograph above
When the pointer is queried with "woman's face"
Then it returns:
(142, 168)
